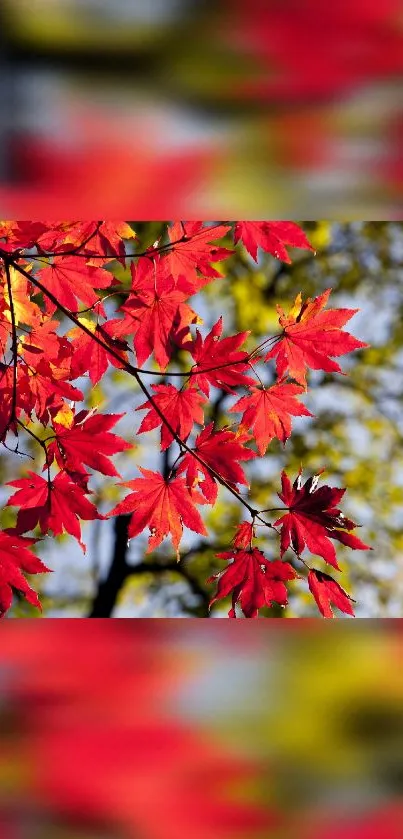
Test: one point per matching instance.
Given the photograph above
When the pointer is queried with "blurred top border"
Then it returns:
(201, 109)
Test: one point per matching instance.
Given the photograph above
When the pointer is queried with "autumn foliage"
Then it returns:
(58, 288)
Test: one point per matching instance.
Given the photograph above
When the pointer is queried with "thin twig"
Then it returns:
(14, 344)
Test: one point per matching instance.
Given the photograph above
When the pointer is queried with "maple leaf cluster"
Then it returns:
(65, 316)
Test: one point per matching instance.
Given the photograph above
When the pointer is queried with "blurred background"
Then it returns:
(201, 108)
(150, 730)
(356, 435)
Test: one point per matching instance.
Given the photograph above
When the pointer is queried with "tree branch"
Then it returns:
(14, 344)
(108, 590)
(134, 371)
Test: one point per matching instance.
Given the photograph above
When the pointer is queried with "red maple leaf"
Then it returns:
(196, 252)
(57, 507)
(221, 451)
(70, 281)
(268, 412)
(313, 519)
(327, 591)
(90, 356)
(89, 237)
(163, 506)
(110, 239)
(67, 236)
(181, 408)
(253, 580)
(16, 560)
(155, 312)
(311, 337)
(219, 362)
(88, 441)
(272, 236)
(25, 310)
(21, 234)
(43, 340)
(245, 532)
(55, 235)
(41, 389)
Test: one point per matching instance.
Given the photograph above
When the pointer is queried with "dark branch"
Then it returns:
(108, 590)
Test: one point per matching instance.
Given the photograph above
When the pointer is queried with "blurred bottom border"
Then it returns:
(168, 729)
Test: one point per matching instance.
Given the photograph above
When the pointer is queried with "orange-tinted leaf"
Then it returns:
(21, 234)
(25, 310)
(163, 506)
(268, 412)
(41, 389)
(311, 337)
